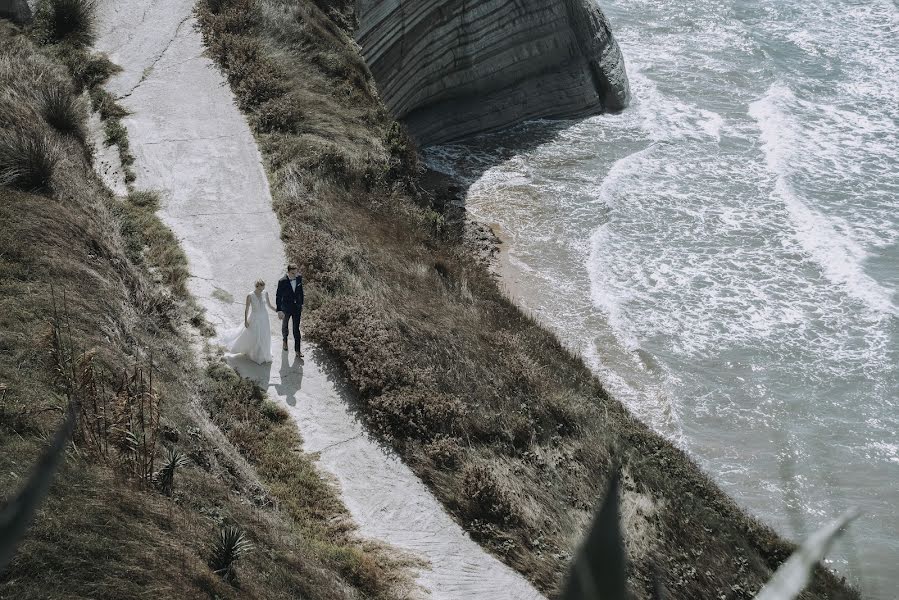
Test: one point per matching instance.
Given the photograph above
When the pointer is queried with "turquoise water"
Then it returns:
(725, 253)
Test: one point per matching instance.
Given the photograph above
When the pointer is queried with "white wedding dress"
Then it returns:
(254, 341)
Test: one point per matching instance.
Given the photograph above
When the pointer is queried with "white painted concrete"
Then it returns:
(193, 145)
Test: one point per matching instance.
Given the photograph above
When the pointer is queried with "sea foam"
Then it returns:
(825, 240)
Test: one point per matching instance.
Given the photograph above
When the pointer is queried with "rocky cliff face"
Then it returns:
(454, 68)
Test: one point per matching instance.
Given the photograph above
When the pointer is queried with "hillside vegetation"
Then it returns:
(155, 498)
(509, 429)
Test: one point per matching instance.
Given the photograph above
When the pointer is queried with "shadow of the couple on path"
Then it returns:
(288, 382)
(290, 377)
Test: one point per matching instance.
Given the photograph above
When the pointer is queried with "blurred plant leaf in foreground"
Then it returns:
(792, 576)
(17, 514)
(598, 571)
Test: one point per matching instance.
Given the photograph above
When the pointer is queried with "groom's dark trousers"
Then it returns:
(290, 301)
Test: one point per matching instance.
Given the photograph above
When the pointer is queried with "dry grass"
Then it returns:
(28, 161)
(103, 532)
(152, 244)
(511, 431)
(265, 435)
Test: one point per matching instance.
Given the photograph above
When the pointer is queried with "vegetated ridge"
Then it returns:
(182, 479)
(509, 429)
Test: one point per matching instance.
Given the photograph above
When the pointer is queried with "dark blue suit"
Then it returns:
(290, 302)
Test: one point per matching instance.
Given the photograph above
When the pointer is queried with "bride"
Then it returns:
(255, 338)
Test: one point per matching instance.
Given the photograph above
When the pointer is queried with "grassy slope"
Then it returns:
(99, 534)
(512, 432)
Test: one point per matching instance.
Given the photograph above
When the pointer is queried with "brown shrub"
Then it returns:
(415, 413)
(282, 114)
(350, 329)
(484, 498)
(445, 452)
(259, 85)
(562, 413)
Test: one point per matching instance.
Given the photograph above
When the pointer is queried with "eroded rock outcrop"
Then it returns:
(454, 68)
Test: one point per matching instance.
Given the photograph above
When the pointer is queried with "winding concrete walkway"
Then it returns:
(193, 145)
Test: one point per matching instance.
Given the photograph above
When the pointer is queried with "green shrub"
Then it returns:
(105, 103)
(89, 70)
(403, 153)
(274, 413)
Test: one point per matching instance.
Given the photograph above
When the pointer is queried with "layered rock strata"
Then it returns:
(454, 68)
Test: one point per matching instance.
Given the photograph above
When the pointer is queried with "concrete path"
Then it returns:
(194, 146)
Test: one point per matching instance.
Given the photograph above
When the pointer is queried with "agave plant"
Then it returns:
(165, 477)
(230, 546)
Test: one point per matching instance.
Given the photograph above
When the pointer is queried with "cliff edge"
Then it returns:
(454, 68)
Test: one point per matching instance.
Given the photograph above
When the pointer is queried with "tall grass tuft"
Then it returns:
(27, 162)
(119, 426)
(135, 436)
(63, 110)
(230, 546)
(71, 21)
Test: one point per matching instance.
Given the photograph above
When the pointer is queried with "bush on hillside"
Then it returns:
(279, 115)
(446, 452)
(350, 329)
(484, 498)
(422, 414)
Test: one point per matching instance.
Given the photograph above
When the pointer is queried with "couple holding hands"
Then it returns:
(254, 339)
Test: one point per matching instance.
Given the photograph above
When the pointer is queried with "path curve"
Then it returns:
(194, 146)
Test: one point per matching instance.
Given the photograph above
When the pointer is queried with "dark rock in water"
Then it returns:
(16, 11)
(454, 68)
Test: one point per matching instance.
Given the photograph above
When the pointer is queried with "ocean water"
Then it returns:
(725, 253)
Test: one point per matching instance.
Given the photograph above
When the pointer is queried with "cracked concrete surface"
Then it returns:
(193, 145)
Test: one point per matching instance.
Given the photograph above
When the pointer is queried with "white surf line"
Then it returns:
(193, 145)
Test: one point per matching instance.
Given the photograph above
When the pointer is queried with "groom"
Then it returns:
(289, 304)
